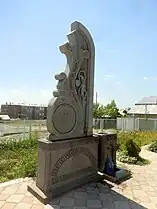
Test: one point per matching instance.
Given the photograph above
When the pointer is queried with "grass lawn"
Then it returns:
(18, 158)
(141, 137)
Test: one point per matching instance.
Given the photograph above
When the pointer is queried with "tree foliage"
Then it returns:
(98, 110)
(110, 110)
(125, 111)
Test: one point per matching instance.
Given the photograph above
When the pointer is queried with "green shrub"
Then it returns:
(129, 146)
(15, 144)
(127, 142)
(132, 148)
(122, 156)
(153, 146)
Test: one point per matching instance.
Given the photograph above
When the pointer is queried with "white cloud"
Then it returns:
(108, 76)
(152, 78)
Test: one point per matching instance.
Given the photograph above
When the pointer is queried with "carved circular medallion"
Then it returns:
(64, 118)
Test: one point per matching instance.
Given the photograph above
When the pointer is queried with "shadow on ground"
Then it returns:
(95, 195)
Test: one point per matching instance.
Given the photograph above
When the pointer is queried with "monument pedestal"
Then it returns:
(64, 165)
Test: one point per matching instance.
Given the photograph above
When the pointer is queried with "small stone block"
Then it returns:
(38, 193)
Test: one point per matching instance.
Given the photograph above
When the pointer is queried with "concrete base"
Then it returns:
(121, 174)
(64, 165)
(45, 199)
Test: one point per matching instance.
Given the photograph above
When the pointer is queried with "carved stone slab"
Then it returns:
(64, 165)
(70, 111)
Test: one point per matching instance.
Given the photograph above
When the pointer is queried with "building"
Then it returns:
(146, 107)
(10, 109)
(45, 112)
(24, 111)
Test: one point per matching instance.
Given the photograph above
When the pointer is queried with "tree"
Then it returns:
(112, 110)
(126, 110)
(98, 110)
(101, 110)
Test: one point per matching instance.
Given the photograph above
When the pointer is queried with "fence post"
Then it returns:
(30, 130)
(101, 125)
(155, 125)
(40, 127)
(138, 124)
(133, 124)
(123, 124)
(24, 128)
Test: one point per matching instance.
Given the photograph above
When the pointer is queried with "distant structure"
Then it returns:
(4, 117)
(146, 107)
(24, 111)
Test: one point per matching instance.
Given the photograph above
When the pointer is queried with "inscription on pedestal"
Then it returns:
(71, 153)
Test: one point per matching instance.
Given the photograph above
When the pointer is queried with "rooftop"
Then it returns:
(24, 104)
(151, 100)
(147, 105)
(143, 109)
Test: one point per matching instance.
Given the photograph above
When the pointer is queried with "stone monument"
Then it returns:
(70, 111)
(68, 158)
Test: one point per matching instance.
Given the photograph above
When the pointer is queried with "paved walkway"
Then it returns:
(138, 192)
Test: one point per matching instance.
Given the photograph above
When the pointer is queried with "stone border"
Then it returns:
(62, 144)
(15, 181)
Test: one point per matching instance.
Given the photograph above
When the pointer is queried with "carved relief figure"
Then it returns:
(73, 98)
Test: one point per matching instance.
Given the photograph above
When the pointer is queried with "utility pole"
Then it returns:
(146, 111)
(96, 98)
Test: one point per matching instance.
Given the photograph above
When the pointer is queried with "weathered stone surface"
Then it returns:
(68, 157)
(70, 112)
(63, 165)
(107, 148)
(65, 160)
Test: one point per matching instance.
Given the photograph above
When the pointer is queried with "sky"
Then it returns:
(125, 37)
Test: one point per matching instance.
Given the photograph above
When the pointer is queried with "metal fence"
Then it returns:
(124, 124)
(101, 124)
(22, 126)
